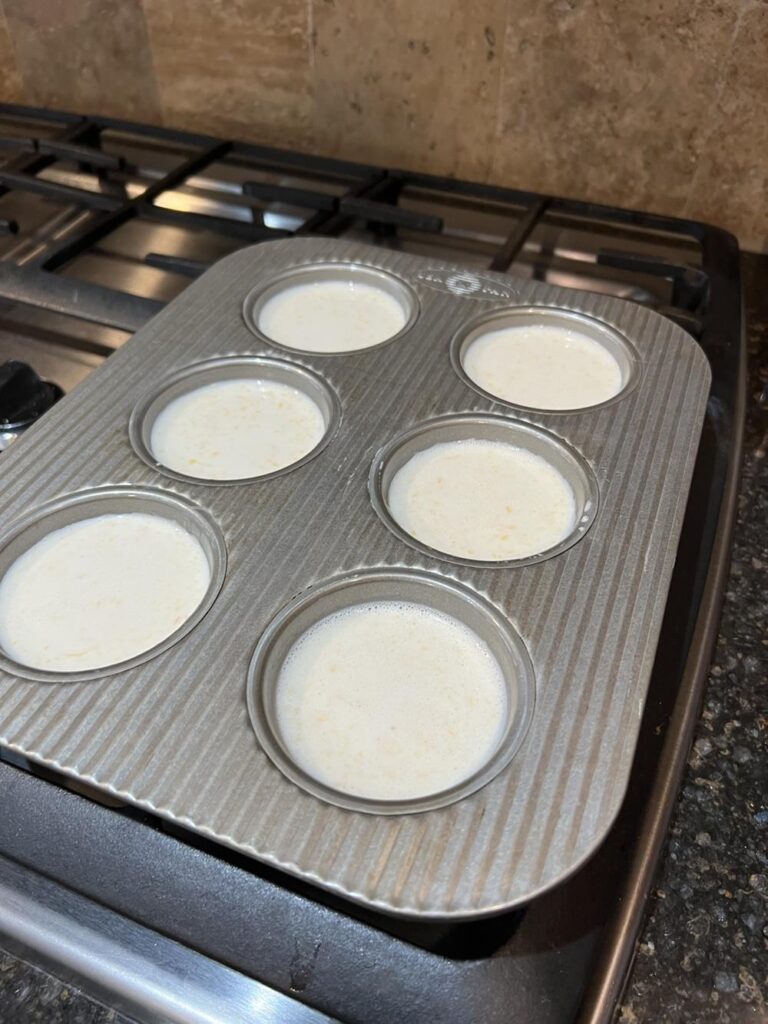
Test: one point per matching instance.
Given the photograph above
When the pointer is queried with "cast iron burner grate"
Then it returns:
(242, 187)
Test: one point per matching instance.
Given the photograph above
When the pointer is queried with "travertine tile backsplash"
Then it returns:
(657, 104)
(83, 55)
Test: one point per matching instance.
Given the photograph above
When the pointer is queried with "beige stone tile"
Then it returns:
(11, 89)
(409, 83)
(730, 187)
(610, 100)
(234, 67)
(90, 56)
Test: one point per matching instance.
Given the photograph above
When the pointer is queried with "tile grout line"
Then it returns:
(159, 92)
(720, 86)
(23, 97)
(491, 172)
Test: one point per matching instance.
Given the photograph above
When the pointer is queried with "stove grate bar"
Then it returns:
(88, 155)
(54, 190)
(18, 144)
(517, 238)
(30, 161)
(373, 195)
(95, 303)
(176, 264)
(332, 224)
(63, 150)
(248, 231)
(67, 250)
(383, 212)
(290, 196)
(689, 283)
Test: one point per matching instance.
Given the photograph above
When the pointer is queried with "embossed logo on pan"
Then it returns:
(466, 283)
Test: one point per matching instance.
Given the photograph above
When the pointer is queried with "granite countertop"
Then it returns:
(703, 954)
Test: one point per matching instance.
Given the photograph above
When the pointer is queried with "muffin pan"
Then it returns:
(573, 469)
(53, 515)
(398, 586)
(172, 731)
(617, 347)
(228, 368)
(398, 295)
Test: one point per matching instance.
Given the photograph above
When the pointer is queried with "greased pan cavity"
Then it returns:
(173, 734)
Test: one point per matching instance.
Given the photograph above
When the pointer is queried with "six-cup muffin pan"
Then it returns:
(188, 730)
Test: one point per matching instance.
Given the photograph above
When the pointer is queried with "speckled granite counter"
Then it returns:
(703, 954)
(30, 996)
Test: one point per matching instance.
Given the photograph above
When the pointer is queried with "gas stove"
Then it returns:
(102, 222)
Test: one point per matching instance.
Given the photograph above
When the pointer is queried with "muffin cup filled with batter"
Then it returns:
(544, 359)
(390, 691)
(331, 308)
(483, 490)
(235, 419)
(99, 581)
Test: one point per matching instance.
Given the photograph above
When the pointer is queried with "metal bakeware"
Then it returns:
(609, 339)
(437, 592)
(212, 371)
(575, 470)
(101, 501)
(173, 735)
(356, 273)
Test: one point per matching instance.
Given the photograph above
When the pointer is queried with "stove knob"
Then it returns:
(24, 396)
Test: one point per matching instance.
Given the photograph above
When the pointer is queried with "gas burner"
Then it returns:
(24, 397)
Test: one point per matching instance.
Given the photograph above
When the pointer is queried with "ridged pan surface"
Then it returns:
(173, 734)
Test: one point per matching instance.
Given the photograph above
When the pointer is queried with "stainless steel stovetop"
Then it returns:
(103, 222)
